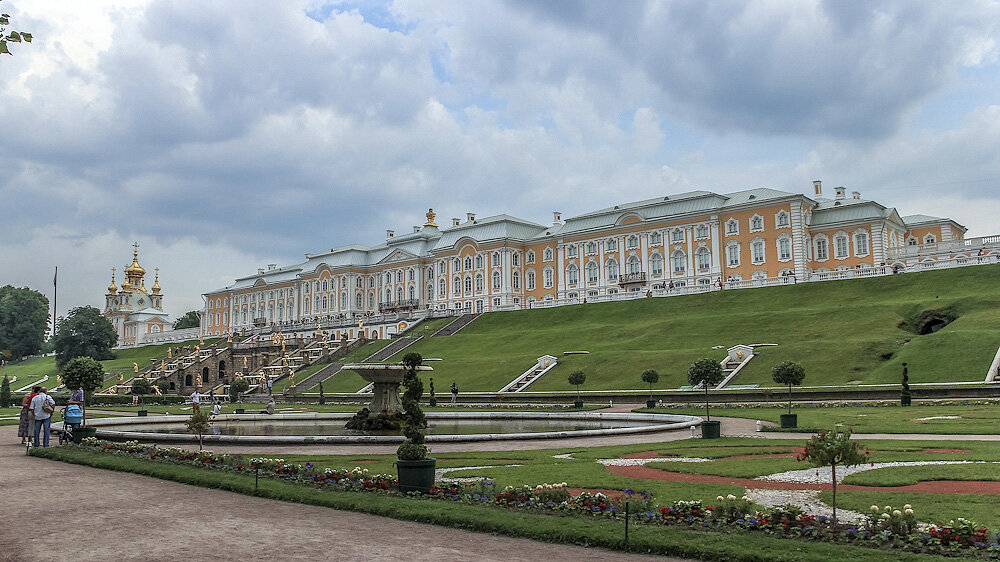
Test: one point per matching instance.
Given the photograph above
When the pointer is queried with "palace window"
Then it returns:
(468, 263)
(343, 301)
(515, 281)
(547, 254)
(515, 259)
(479, 281)
(325, 287)
(732, 227)
(704, 258)
(611, 245)
(456, 264)
(530, 256)
(399, 294)
(571, 251)
(784, 248)
(656, 264)
(612, 267)
(442, 288)
(442, 268)
(399, 276)
(633, 265)
(930, 239)
(547, 277)
(841, 246)
(371, 299)
(413, 292)
(572, 275)
(479, 262)
(757, 251)
(680, 261)
(756, 223)
(496, 280)
(821, 250)
(733, 254)
(457, 287)
(861, 243)
(410, 274)
(530, 279)
(591, 248)
(592, 270)
(632, 242)
(701, 231)
(781, 219)
(325, 302)
(496, 258)
(359, 301)
(677, 235)
(468, 283)
(655, 238)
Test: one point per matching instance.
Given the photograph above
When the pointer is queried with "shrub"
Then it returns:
(832, 448)
(236, 388)
(413, 449)
(85, 373)
(141, 386)
(650, 377)
(5, 393)
(198, 423)
(905, 398)
(707, 372)
(788, 373)
(577, 378)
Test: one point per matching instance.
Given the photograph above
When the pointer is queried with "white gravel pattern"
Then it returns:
(563, 456)
(642, 462)
(806, 500)
(822, 475)
(439, 473)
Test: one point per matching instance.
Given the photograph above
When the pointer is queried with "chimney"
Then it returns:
(556, 217)
(455, 221)
(390, 233)
(272, 266)
(856, 194)
(470, 217)
(260, 270)
(818, 187)
(416, 229)
(841, 192)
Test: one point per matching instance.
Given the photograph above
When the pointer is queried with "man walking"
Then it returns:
(195, 401)
(42, 405)
(454, 392)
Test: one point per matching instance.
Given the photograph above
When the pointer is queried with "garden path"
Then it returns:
(84, 513)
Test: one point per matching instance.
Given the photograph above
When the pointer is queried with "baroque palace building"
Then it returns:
(685, 242)
(134, 311)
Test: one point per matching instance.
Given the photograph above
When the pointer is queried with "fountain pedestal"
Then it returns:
(385, 378)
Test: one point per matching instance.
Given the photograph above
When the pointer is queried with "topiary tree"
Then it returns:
(141, 386)
(5, 393)
(707, 372)
(85, 373)
(577, 378)
(322, 399)
(905, 398)
(651, 377)
(788, 372)
(236, 388)
(199, 424)
(833, 448)
(414, 421)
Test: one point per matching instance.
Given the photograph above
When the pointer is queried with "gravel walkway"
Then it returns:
(92, 514)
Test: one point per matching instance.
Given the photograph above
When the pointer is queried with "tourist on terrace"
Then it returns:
(454, 392)
(26, 423)
(42, 406)
(195, 401)
(270, 406)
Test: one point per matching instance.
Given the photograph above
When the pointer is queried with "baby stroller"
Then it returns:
(72, 419)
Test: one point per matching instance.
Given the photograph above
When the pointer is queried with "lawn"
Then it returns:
(974, 419)
(870, 318)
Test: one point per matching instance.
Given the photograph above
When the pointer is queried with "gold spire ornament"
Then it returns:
(112, 288)
(156, 282)
(430, 218)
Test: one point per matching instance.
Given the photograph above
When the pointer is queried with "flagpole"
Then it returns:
(55, 299)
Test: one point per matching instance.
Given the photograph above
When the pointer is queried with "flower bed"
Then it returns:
(886, 528)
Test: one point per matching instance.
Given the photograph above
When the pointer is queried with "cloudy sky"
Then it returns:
(226, 135)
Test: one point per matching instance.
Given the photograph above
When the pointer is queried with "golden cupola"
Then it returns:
(112, 288)
(156, 282)
(134, 272)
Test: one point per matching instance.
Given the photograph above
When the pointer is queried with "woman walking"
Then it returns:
(25, 422)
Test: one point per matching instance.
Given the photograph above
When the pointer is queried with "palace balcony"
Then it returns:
(408, 304)
(629, 278)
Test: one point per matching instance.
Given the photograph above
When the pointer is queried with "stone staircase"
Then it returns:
(313, 380)
(545, 364)
(387, 352)
(456, 325)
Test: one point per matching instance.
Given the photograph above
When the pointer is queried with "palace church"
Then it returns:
(697, 240)
(134, 311)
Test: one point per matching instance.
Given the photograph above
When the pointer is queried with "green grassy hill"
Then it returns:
(843, 332)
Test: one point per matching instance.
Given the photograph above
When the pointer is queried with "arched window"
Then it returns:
(632, 242)
(399, 294)
(468, 283)
(410, 274)
(325, 286)
(656, 264)
(515, 280)
(515, 259)
(701, 231)
(496, 258)
(343, 301)
(677, 235)
(611, 244)
(388, 295)
(655, 238)
(572, 275)
(325, 302)
(732, 227)
(457, 264)
(571, 251)
(530, 256)
(388, 278)
(457, 286)
(479, 262)
(399, 276)
(359, 301)
(591, 248)
(496, 280)
(479, 281)
(371, 300)
(781, 219)
(756, 223)
(704, 258)
(547, 255)
(592, 272)
(413, 292)
(468, 263)
(680, 261)
(633, 265)
(530, 279)
(548, 276)
(442, 288)
(442, 267)
(612, 267)
(930, 239)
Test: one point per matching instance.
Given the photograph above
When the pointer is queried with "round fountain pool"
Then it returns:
(442, 426)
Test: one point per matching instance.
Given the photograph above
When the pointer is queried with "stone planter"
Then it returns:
(789, 420)
(81, 433)
(711, 429)
(578, 404)
(650, 403)
(241, 410)
(416, 476)
(142, 413)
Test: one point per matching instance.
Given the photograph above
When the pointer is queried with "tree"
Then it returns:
(12, 36)
(652, 377)
(831, 449)
(788, 372)
(237, 387)
(577, 378)
(414, 421)
(84, 333)
(191, 319)
(85, 373)
(707, 372)
(141, 386)
(905, 398)
(24, 318)
(5, 393)
(198, 424)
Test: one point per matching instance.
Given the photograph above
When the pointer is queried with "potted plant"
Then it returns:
(788, 372)
(707, 372)
(414, 468)
(650, 377)
(905, 398)
(141, 387)
(236, 390)
(577, 378)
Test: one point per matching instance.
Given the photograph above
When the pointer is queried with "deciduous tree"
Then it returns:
(788, 372)
(12, 36)
(707, 372)
(191, 319)
(84, 333)
(24, 318)
(833, 448)
(85, 373)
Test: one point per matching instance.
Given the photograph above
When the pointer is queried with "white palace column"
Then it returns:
(799, 241)
(558, 274)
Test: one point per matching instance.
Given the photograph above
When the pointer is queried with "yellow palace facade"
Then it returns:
(688, 242)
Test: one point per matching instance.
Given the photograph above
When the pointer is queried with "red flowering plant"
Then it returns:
(683, 511)
(962, 532)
